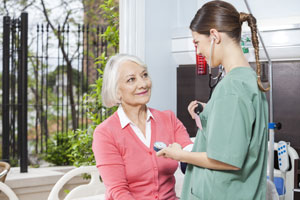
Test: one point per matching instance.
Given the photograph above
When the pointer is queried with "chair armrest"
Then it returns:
(82, 190)
(3, 173)
(8, 191)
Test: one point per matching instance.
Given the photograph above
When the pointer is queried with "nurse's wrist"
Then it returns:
(183, 155)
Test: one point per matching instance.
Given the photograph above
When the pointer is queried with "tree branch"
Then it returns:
(5, 7)
(28, 5)
(69, 65)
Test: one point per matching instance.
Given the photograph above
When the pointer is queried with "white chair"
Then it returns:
(8, 192)
(92, 190)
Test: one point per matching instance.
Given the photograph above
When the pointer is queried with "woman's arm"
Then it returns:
(200, 159)
(181, 135)
(111, 166)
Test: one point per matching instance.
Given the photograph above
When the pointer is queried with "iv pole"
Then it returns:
(272, 125)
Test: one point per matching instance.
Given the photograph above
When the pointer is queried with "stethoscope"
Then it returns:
(213, 81)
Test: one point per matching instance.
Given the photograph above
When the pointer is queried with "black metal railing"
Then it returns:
(61, 66)
(14, 80)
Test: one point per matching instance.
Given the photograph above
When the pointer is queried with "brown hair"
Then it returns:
(223, 17)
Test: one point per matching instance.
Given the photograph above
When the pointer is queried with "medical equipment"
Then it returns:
(284, 180)
(201, 67)
(283, 165)
(201, 64)
(216, 80)
(198, 109)
(221, 71)
(283, 159)
(159, 146)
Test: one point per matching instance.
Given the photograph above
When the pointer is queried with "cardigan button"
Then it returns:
(150, 152)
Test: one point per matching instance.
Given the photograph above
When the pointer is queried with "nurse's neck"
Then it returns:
(234, 57)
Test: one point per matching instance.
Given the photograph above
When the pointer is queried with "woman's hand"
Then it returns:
(192, 106)
(173, 151)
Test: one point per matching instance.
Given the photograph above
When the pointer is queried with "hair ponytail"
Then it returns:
(252, 24)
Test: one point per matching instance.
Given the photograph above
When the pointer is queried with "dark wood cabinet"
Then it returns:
(190, 86)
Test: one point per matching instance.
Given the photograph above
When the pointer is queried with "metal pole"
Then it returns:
(41, 106)
(12, 88)
(5, 89)
(87, 69)
(63, 83)
(37, 90)
(67, 110)
(47, 78)
(78, 77)
(22, 98)
(82, 79)
(271, 131)
(58, 83)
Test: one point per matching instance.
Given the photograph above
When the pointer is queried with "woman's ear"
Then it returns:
(119, 96)
(215, 35)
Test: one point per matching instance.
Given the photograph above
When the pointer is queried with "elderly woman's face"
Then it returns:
(134, 85)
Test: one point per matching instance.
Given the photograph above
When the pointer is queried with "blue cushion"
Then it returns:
(279, 184)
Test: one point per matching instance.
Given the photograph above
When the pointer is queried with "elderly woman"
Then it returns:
(123, 143)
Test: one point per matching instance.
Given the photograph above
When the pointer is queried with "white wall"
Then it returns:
(160, 20)
(154, 21)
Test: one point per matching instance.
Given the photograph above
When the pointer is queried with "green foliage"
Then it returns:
(111, 14)
(76, 148)
(66, 191)
(59, 146)
(96, 112)
(72, 148)
(81, 150)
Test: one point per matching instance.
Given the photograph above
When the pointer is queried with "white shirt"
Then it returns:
(124, 120)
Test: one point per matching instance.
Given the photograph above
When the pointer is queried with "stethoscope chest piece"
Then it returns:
(159, 146)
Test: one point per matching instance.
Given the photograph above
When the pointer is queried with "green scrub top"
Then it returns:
(235, 127)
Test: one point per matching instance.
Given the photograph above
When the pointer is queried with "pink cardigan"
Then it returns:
(129, 169)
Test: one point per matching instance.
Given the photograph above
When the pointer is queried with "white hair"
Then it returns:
(111, 77)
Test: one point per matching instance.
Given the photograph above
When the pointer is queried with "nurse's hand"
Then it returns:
(173, 151)
(192, 106)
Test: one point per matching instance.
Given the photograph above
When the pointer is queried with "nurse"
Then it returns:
(229, 157)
